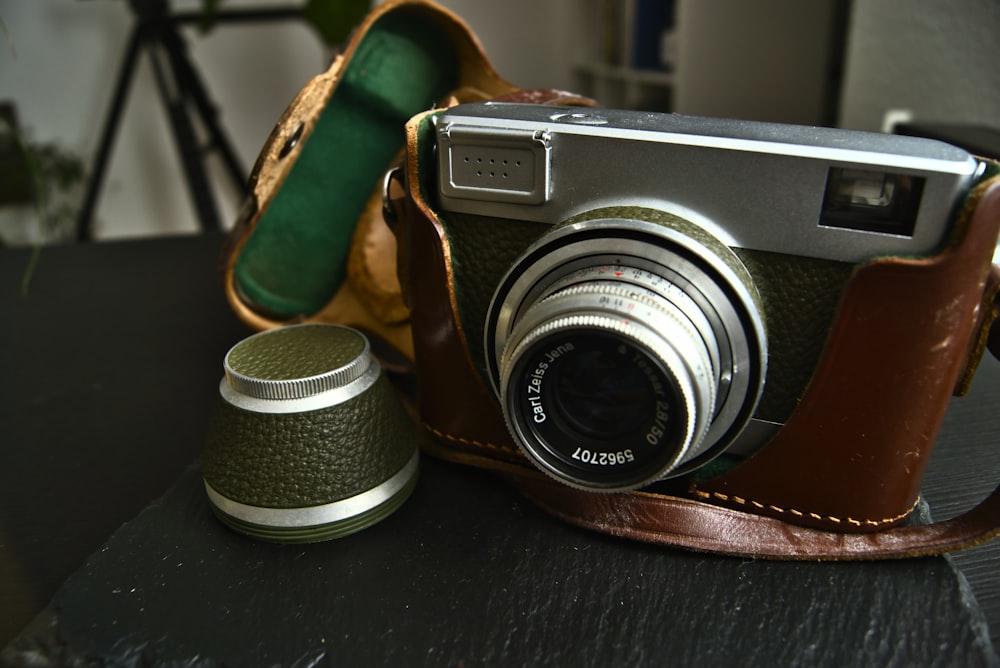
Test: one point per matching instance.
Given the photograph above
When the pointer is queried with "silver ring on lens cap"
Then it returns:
(310, 441)
(298, 368)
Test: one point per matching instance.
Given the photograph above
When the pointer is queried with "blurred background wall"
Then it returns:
(828, 62)
(938, 60)
(62, 78)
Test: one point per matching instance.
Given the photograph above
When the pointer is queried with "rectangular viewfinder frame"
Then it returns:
(869, 200)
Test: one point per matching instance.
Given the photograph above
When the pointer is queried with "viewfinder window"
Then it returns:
(871, 201)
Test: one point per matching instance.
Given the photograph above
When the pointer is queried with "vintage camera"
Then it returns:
(641, 293)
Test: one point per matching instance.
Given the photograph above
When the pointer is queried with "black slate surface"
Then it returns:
(109, 372)
(467, 574)
(109, 367)
(964, 468)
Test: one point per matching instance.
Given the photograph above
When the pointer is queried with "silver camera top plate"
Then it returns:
(808, 191)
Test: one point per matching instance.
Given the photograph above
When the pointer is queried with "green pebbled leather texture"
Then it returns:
(296, 352)
(298, 460)
(482, 250)
(799, 296)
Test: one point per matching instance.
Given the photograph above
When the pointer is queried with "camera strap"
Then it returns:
(688, 523)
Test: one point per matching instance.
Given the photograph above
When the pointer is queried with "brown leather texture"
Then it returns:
(457, 409)
(371, 266)
(695, 525)
(454, 404)
(370, 298)
(852, 455)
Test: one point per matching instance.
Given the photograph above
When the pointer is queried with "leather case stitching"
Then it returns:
(729, 498)
(467, 441)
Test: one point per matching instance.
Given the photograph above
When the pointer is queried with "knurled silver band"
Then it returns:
(325, 399)
(311, 349)
(299, 388)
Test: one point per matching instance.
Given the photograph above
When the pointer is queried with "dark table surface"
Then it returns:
(109, 553)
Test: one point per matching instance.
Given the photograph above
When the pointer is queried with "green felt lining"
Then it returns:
(296, 257)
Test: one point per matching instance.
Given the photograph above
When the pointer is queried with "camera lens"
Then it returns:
(607, 386)
(624, 353)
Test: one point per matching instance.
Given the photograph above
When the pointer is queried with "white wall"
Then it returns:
(940, 60)
(937, 58)
(67, 57)
(765, 60)
(532, 43)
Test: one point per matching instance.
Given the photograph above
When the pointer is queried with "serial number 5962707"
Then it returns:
(604, 458)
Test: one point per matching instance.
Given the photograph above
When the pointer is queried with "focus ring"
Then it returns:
(580, 298)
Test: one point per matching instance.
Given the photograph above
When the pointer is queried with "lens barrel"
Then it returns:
(624, 353)
(309, 441)
(607, 386)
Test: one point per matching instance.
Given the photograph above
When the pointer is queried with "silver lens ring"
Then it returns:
(606, 388)
(705, 305)
(713, 292)
(654, 281)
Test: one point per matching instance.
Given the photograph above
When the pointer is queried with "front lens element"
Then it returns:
(601, 394)
(607, 387)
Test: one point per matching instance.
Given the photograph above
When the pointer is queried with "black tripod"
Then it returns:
(183, 94)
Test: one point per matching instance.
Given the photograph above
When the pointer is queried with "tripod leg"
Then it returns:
(125, 74)
(173, 95)
(192, 85)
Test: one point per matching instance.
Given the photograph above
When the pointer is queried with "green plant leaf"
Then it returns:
(209, 8)
(335, 19)
(40, 202)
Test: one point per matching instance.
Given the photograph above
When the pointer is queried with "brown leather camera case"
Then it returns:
(844, 469)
